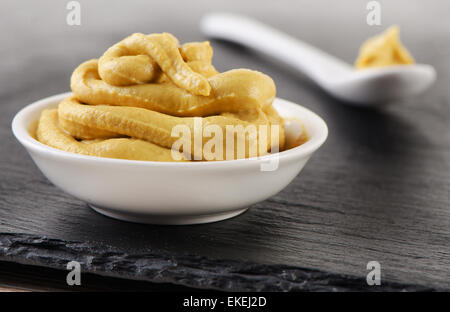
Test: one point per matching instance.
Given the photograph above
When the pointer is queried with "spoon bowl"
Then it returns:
(375, 86)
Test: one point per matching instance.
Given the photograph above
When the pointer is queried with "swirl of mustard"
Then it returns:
(126, 104)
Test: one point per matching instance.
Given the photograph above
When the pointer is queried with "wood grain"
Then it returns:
(379, 189)
(10, 289)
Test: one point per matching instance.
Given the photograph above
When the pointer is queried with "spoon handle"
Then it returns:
(316, 64)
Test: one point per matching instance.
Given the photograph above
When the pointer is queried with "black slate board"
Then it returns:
(378, 190)
(189, 270)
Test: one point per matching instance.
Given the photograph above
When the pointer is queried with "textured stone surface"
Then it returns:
(191, 271)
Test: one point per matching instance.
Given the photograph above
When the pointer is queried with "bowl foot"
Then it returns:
(166, 219)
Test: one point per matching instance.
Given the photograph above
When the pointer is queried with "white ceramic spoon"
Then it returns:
(367, 87)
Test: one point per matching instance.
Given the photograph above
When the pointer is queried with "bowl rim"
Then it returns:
(21, 132)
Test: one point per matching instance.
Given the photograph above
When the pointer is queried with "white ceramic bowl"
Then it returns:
(164, 192)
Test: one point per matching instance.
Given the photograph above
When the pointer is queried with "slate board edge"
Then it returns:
(190, 270)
